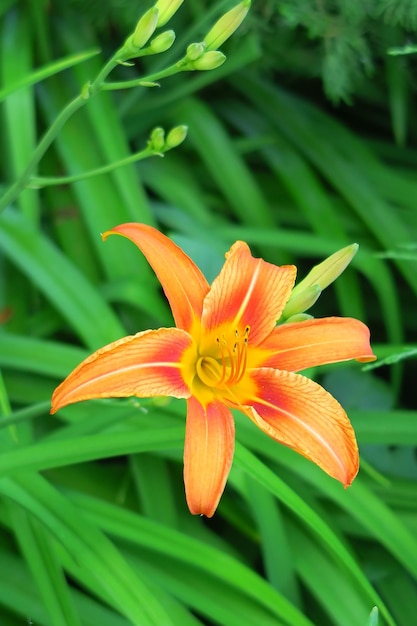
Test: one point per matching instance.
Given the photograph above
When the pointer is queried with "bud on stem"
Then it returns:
(162, 42)
(305, 294)
(226, 25)
(166, 9)
(145, 28)
(209, 60)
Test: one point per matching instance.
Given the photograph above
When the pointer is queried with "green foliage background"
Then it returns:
(302, 142)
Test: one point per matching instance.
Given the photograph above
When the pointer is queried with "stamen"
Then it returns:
(233, 360)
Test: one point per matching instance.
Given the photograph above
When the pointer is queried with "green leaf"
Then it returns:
(48, 70)
(88, 547)
(68, 290)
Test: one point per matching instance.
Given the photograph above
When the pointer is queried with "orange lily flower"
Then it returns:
(227, 352)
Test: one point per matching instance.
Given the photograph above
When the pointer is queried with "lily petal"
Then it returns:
(247, 292)
(182, 281)
(150, 363)
(300, 414)
(297, 346)
(208, 455)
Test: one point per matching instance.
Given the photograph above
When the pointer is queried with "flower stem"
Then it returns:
(87, 92)
(180, 66)
(40, 182)
(20, 184)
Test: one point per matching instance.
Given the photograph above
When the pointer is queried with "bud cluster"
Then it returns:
(153, 18)
(159, 142)
(202, 55)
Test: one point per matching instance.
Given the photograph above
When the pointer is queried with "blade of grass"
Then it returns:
(148, 470)
(83, 540)
(225, 165)
(72, 295)
(343, 160)
(19, 109)
(340, 599)
(36, 76)
(57, 453)
(38, 355)
(358, 501)
(18, 593)
(276, 550)
(39, 554)
(248, 463)
(192, 559)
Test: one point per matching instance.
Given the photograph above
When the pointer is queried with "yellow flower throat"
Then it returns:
(229, 367)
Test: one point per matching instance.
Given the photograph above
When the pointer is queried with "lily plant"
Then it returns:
(228, 352)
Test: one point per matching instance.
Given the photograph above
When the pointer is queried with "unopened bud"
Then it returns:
(227, 25)
(299, 317)
(145, 28)
(305, 294)
(209, 61)
(166, 9)
(301, 301)
(157, 139)
(195, 51)
(162, 42)
(328, 270)
(175, 137)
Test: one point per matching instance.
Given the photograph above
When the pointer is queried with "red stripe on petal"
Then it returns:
(151, 363)
(300, 414)
(208, 455)
(295, 347)
(247, 292)
(182, 281)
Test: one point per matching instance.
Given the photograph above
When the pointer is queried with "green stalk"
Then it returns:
(87, 92)
(180, 66)
(20, 184)
(38, 182)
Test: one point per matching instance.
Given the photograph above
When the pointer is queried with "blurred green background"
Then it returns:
(301, 143)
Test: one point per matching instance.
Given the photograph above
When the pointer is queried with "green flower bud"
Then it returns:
(145, 28)
(299, 317)
(162, 42)
(301, 301)
(305, 294)
(157, 139)
(175, 137)
(328, 270)
(195, 51)
(209, 61)
(226, 25)
(166, 9)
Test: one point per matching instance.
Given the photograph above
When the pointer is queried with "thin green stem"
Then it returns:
(104, 72)
(151, 78)
(18, 186)
(39, 182)
(87, 92)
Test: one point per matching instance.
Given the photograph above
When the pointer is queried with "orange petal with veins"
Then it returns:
(300, 414)
(247, 292)
(208, 455)
(297, 346)
(147, 364)
(182, 281)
